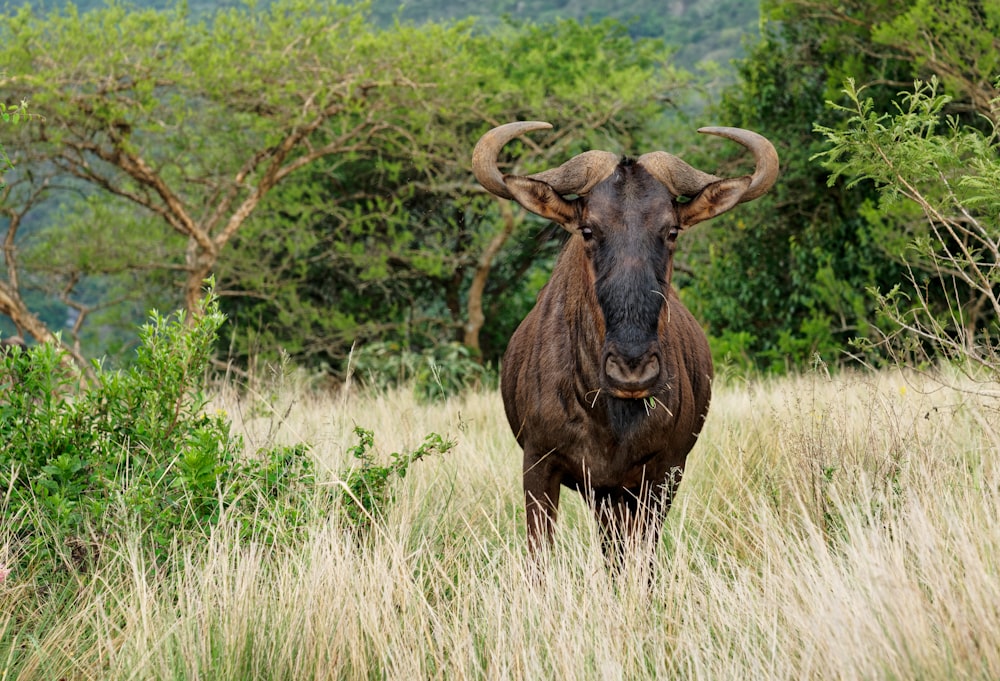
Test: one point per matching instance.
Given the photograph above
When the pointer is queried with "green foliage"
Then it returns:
(436, 373)
(137, 447)
(708, 29)
(382, 247)
(920, 157)
(918, 146)
(957, 42)
(11, 114)
(789, 275)
(367, 492)
(785, 276)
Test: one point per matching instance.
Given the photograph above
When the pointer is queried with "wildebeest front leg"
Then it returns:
(541, 499)
(631, 519)
(629, 522)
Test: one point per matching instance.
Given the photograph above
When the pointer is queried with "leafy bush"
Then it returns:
(136, 445)
(367, 492)
(436, 373)
(923, 160)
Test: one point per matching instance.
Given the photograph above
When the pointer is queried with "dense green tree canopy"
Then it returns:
(698, 29)
(317, 163)
(788, 276)
(408, 247)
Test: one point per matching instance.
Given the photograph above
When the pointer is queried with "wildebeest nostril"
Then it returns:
(636, 373)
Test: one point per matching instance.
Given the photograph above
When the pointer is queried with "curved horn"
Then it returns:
(684, 180)
(764, 156)
(576, 176)
(679, 177)
(484, 156)
(579, 174)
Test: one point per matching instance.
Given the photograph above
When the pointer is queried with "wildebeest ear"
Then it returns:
(541, 199)
(715, 199)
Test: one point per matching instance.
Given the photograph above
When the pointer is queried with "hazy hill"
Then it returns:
(700, 29)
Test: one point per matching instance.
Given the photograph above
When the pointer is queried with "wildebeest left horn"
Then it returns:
(764, 155)
(676, 175)
(576, 176)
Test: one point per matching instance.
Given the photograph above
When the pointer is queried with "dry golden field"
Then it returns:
(827, 528)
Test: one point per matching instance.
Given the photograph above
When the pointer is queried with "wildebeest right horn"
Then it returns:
(682, 179)
(576, 176)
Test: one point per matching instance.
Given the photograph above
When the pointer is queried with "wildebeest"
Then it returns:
(606, 382)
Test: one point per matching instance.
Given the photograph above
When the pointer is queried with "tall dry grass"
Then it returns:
(826, 529)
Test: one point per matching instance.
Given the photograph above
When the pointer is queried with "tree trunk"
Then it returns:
(11, 303)
(200, 263)
(13, 307)
(475, 317)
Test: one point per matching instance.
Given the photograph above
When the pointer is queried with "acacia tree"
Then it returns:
(404, 245)
(176, 130)
(319, 165)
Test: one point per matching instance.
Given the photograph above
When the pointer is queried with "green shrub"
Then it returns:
(135, 446)
(436, 373)
(367, 492)
(924, 159)
(731, 353)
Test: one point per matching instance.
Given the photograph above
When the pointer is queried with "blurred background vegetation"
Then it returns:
(314, 158)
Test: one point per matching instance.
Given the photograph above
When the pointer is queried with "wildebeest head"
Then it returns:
(629, 214)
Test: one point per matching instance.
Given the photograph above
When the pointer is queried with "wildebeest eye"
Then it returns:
(672, 233)
(587, 233)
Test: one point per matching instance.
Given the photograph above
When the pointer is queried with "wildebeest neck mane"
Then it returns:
(626, 416)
